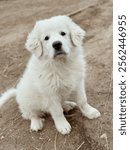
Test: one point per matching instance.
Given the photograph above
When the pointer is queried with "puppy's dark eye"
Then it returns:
(63, 33)
(46, 38)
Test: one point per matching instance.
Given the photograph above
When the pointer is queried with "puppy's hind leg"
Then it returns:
(36, 121)
(68, 105)
(87, 110)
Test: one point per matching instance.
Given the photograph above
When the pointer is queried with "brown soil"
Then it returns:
(17, 17)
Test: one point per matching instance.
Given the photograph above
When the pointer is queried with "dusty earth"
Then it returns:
(17, 17)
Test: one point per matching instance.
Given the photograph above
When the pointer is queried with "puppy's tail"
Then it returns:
(7, 95)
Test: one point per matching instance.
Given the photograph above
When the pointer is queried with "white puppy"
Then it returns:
(55, 71)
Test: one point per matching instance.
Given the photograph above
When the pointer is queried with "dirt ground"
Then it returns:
(17, 17)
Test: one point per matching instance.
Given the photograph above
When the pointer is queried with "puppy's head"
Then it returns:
(54, 38)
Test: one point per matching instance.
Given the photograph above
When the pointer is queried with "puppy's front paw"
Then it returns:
(63, 127)
(36, 124)
(91, 112)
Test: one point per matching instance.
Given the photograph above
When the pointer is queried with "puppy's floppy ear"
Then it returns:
(77, 34)
(33, 43)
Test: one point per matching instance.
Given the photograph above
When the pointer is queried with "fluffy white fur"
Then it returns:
(49, 82)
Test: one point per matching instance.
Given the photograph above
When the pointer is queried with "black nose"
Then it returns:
(57, 45)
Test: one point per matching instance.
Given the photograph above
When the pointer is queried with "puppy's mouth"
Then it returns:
(59, 53)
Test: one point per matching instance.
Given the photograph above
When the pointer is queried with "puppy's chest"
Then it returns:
(61, 82)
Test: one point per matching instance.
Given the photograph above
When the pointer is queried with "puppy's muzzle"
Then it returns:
(58, 48)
